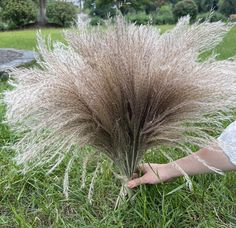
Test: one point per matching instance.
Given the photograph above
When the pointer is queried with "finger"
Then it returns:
(136, 182)
(141, 168)
(134, 176)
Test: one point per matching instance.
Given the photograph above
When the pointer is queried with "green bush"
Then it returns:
(3, 26)
(206, 5)
(19, 12)
(213, 17)
(2, 3)
(151, 6)
(227, 7)
(61, 13)
(1, 12)
(138, 18)
(185, 7)
(96, 21)
(103, 9)
(164, 16)
(127, 8)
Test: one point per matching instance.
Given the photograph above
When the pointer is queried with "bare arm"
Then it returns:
(156, 173)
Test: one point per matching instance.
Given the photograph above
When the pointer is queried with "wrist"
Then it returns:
(169, 171)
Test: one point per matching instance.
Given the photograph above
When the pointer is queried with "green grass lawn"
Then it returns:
(36, 200)
(228, 47)
(25, 39)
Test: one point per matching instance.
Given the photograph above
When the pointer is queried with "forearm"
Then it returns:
(192, 166)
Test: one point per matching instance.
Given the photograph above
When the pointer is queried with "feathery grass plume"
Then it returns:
(122, 90)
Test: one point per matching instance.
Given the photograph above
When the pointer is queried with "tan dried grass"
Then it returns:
(122, 90)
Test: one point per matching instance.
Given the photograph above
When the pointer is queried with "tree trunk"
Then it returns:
(42, 12)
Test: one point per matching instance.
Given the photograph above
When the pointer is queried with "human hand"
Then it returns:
(153, 174)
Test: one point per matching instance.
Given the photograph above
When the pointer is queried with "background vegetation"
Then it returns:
(161, 11)
(30, 13)
(25, 13)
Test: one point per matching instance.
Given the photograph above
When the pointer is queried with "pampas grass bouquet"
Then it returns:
(120, 91)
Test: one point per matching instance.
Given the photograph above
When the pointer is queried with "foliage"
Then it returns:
(38, 1)
(96, 21)
(173, 2)
(164, 15)
(1, 12)
(227, 7)
(206, 5)
(213, 17)
(138, 18)
(147, 6)
(104, 9)
(184, 8)
(151, 6)
(62, 13)
(19, 12)
(3, 26)
(2, 3)
(7, 26)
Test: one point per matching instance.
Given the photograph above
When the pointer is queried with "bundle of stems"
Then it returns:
(122, 90)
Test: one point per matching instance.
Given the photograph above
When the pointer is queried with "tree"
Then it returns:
(2, 2)
(103, 8)
(42, 12)
(227, 7)
(206, 5)
(41, 4)
(185, 7)
(20, 12)
(62, 13)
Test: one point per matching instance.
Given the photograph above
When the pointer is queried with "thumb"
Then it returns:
(136, 182)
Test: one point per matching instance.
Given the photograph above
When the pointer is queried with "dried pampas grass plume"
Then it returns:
(121, 90)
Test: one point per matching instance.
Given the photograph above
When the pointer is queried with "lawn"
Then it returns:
(25, 39)
(36, 200)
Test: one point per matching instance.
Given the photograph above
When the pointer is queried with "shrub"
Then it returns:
(213, 17)
(1, 12)
(2, 3)
(61, 13)
(227, 7)
(3, 26)
(151, 6)
(96, 21)
(7, 26)
(3, 76)
(127, 8)
(164, 16)
(184, 8)
(206, 5)
(20, 12)
(138, 18)
(103, 9)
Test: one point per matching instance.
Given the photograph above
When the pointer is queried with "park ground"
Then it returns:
(36, 200)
